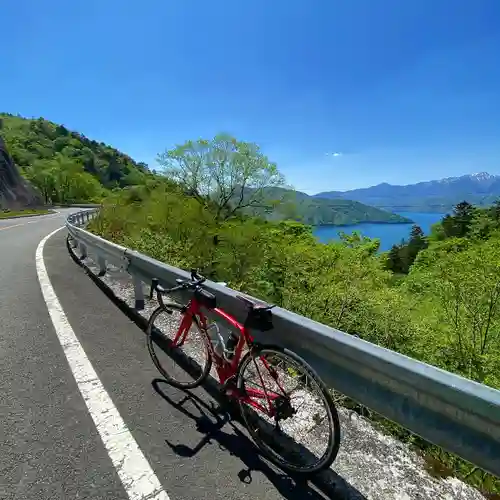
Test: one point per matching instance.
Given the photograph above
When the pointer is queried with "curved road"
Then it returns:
(50, 447)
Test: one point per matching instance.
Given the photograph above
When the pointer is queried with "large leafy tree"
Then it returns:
(223, 172)
(458, 224)
(63, 180)
(401, 257)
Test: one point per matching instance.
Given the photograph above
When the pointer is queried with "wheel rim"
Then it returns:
(185, 364)
(303, 438)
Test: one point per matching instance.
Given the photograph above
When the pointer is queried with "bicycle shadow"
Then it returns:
(211, 421)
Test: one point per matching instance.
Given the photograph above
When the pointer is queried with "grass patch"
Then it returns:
(7, 214)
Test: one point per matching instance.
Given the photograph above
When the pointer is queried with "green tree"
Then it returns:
(42, 176)
(227, 173)
(416, 244)
(394, 262)
(437, 232)
(63, 180)
(357, 240)
(458, 224)
(401, 257)
(494, 210)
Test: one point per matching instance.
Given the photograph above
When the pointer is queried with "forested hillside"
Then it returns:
(317, 211)
(64, 165)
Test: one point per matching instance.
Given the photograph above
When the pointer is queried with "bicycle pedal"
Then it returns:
(229, 384)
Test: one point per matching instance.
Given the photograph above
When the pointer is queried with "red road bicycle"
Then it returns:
(271, 384)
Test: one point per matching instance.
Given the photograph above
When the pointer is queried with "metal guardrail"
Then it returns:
(450, 411)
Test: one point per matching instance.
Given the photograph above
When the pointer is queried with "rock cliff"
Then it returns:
(15, 192)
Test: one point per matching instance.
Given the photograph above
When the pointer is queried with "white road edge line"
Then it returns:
(136, 475)
(45, 217)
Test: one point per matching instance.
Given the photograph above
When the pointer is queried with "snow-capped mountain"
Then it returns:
(480, 177)
(438, 195)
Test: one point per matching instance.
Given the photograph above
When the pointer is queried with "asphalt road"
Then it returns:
(49, 445)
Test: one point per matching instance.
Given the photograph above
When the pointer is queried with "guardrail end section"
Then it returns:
(139, 294)
(102, 265)
(126, 261)
(72, 241)
(83, 251)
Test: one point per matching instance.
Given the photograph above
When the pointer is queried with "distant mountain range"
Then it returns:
(432, 196)
(312, 210)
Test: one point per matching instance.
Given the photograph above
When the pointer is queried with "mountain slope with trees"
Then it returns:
(15, 192)
(66, 166)
(315, 211)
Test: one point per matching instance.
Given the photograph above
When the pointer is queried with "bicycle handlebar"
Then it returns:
(196, 280)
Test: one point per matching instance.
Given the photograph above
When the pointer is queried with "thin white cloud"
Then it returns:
(335, 154)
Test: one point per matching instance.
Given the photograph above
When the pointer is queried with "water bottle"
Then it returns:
(231, 344)
(216, 338)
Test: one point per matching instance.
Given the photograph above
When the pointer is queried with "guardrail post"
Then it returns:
(73, 242)
(88, 216)
(102, 265)
(83, 251)
(139, 293)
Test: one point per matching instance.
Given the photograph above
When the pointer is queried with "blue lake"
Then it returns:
(389, 234)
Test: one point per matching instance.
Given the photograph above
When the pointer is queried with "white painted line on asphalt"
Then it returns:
(10, 227)
(136, 475)
(45, 217)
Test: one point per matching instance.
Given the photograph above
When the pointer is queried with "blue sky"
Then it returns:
(403, 91)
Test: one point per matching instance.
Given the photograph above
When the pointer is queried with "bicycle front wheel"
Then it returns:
(288, 410)
(178, 347)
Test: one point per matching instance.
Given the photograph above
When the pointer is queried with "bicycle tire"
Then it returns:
(334, 436)
(168, 308)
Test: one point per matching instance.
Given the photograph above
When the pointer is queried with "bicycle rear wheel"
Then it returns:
(178, 347)
(302, 406)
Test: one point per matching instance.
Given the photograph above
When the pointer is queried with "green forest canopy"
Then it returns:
(301, 207)
(67, 166)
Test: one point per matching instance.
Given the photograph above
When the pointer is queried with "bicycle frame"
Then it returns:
(227, 369)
